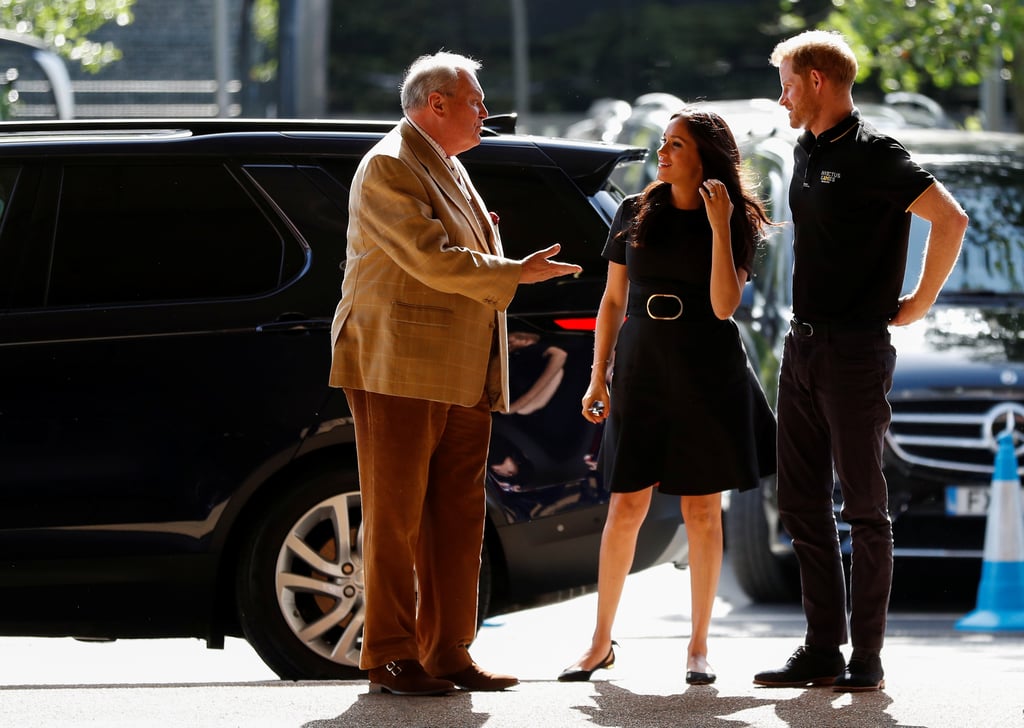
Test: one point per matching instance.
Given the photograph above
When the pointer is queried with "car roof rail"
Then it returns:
(494, 125)
(197, 127)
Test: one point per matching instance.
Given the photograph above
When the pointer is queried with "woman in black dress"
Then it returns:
(684, 413)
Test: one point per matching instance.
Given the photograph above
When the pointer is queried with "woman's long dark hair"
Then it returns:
(720, 157)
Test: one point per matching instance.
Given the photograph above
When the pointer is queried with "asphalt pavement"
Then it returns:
(936, 676)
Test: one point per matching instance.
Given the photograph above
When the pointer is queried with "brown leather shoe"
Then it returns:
(474, 678)
(406, 677)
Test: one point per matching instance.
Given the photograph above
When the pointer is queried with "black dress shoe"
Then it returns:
(808, 666)
(406, 677)
(700, 678)
(578, 674)
(862, 675)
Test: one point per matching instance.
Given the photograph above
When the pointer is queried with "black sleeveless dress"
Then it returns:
(687, 412)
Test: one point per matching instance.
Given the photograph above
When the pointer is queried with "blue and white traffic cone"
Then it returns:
(1000, 604)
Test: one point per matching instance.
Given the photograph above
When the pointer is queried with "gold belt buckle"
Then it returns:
(664, 295)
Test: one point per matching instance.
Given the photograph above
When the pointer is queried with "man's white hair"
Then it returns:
(435, 72)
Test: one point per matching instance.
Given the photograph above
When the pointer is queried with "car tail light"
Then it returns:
(577, 324)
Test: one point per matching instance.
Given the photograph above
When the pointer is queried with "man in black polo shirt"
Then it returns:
(852, 195)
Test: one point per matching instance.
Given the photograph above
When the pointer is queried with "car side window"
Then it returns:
(772, 266)
(23, 255)
(537, 208)
(992, 257)
(8, 176)
(770, 183)
(130, 233)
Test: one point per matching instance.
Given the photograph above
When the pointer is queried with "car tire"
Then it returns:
(300, 596)
(300, 600)
(762, 574)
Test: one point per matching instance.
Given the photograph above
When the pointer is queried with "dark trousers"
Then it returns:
(421, 482)
(833, 412)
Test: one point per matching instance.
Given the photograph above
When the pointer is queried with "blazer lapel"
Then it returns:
(482, 217)
(445, 180)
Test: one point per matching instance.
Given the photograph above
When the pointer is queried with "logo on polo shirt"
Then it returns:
(828, 178)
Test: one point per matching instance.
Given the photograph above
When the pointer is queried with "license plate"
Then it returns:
(967, 500)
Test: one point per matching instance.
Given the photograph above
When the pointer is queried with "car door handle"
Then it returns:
(296, 323)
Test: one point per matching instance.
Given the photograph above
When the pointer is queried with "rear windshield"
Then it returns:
(992, 259)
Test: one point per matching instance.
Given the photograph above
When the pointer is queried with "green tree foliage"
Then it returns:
(945, 43)
(265, 17)
(66, 24)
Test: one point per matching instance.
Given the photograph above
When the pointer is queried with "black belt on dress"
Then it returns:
(669, 303)
(663, 306)
(657, 306)
(806, 329)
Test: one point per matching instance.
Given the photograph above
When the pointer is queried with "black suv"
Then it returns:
(172, 461)
(959, 377)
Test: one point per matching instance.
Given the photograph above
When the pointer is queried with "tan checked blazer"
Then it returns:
(426, 284)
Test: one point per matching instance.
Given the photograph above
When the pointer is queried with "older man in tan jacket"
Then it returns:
(420, 349)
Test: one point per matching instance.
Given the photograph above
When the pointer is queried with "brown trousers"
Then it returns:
(421, 478)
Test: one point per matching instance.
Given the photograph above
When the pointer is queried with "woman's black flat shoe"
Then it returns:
(578, 674)
(700, 678)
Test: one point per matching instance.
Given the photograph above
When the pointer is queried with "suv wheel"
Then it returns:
(300, 582)
(762, 574)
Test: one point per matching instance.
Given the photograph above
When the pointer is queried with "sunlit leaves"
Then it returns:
(947, 41)
(66, 25)
(264, 18)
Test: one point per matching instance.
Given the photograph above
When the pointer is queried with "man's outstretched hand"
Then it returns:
(539, 267)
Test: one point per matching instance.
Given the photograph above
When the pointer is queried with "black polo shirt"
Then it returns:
(850, 192)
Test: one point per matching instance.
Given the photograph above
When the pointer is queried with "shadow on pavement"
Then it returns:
(373, 710)
(611, 706)
(703, 707)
